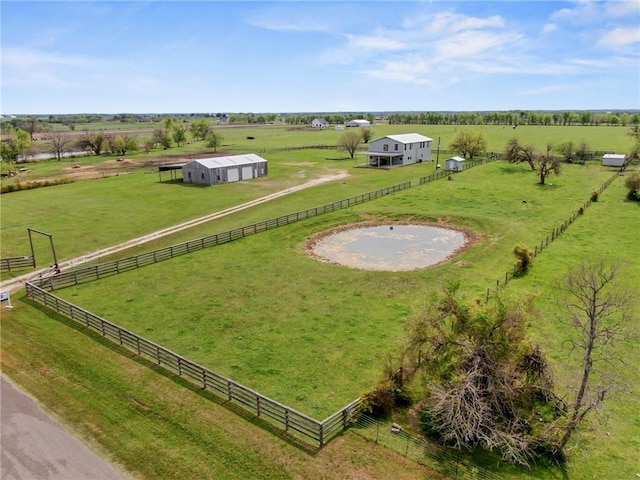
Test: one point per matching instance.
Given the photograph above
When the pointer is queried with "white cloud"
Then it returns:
(624, 8)
(549, 28)
(378, 43)
(620, 37)
(546, 89)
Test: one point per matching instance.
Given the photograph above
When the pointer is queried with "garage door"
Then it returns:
(247, 172)
(233, 175)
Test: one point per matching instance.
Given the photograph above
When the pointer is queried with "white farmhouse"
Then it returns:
(216, 170)
(319, 123)
(399, 150)
(614, 159)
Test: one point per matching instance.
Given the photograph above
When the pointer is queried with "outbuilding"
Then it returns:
(359, 123)
(614, 159)
(216, 170)
(454, 164)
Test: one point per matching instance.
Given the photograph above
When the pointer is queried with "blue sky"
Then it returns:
(318, 56)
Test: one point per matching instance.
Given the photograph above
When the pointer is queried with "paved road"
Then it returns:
(33, 446)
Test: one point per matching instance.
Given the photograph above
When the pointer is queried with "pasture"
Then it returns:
(309, 334)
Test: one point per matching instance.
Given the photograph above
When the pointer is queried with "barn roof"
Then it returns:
(230, 160)
(455, 159)
(614, 155)
(407, 138)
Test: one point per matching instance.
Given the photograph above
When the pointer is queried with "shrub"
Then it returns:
(594, 196)
(524, 257)
(381, 401)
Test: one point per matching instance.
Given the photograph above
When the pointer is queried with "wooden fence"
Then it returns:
(115, 267)
(16, 263)
(311, 431)
(501, 283)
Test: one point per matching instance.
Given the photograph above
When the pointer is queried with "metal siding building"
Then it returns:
(454, 164)
(217, 170)
(614, 159)
(398, 150)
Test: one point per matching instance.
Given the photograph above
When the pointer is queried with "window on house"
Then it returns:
(385, 147)
(395, 147)
(202, 175)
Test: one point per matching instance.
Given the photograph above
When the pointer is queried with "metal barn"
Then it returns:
(216, 170)
(454, 164)
(614, 159)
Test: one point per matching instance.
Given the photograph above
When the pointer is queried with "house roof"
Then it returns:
(230, 160)
(614, 155)
(407, 138)
(321, 120)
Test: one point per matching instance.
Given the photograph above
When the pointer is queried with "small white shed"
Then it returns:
(216, 170)
(614, 159)
(454, 164)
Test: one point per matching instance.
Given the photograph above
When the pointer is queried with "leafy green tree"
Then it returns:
(160, 136)
(92, 142)
(179, 134)
(214, 139)
(199, 129)
(366, 134)
(633, 186)
(567, 150)
(468, 144)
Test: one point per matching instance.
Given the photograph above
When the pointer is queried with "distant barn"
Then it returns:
(614, 159)
(217, 170)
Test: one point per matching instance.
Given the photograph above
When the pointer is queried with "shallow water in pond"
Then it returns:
(390, 247)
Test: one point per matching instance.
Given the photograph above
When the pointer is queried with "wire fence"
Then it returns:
(441, 459)
(554, 235)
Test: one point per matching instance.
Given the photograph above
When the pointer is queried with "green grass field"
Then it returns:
(305, 333)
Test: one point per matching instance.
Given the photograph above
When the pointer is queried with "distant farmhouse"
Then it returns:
(399, 150)
(217, 170)
(319, 123)
(614, 159)
(359, 123)
(454, 164)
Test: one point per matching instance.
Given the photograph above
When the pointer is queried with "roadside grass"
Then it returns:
(155, 425)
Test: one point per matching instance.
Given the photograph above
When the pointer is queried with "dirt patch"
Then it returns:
(471, 238)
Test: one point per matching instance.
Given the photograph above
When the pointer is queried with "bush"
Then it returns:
(594, 196)
(381, 401)
(524, 258)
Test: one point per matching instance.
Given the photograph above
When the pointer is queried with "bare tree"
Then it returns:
(598, 310)
(516, 153)
(349, 141)
(59, 144)
(545, 164)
